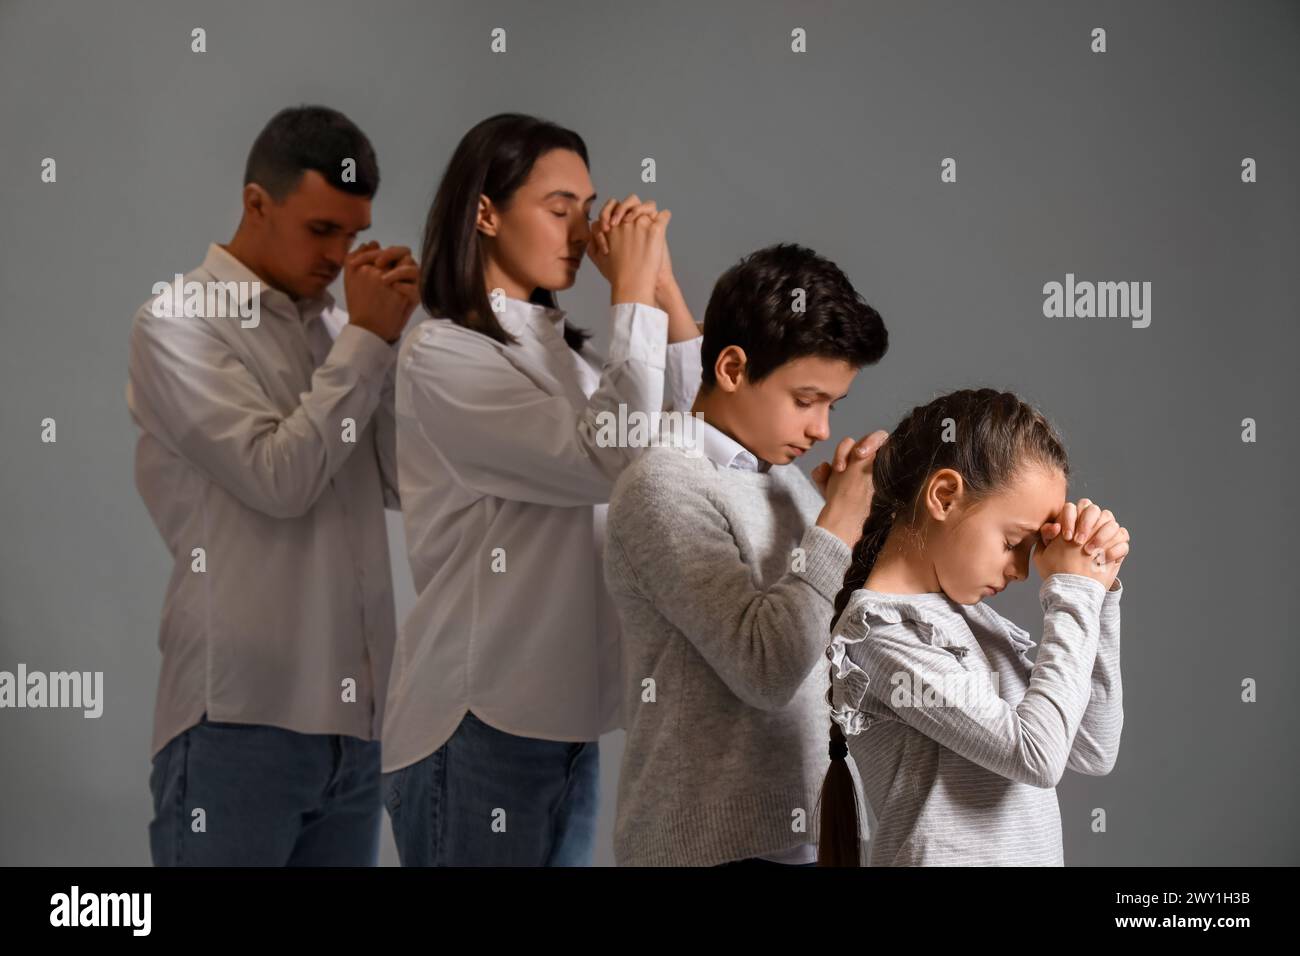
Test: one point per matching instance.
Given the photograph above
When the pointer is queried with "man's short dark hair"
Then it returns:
(755, 305)
(311, 137)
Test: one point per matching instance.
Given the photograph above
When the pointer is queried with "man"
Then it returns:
(266, 456)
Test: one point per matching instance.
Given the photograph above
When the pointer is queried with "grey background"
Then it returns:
(1119, 166)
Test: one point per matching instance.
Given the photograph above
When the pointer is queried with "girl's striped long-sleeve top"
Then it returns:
(959, 737)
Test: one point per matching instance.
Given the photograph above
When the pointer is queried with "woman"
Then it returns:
(508, 668)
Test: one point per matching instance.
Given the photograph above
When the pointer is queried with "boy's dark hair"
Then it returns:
(996, 435)
(493, 159)
(755, 305)
(300, 138)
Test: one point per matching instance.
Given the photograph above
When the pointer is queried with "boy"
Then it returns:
(724, 566)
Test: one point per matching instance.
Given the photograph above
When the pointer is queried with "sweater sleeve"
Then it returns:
(961, 710)
(1096, 745)
(677, 550)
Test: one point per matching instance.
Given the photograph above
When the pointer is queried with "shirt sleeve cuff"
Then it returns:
(1074, 589)
(1110, 603)
(684, 371)
(364, 351)
(640, 334)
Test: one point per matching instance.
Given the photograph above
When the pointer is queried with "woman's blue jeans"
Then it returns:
(489, 798)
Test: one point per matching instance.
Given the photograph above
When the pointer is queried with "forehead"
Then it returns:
(1035, 495)
(558, 169)
(315, 198)
(830, 375)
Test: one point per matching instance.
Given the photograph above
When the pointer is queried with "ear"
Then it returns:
(257, 201)
(729, 369)
(486, 221)
(942, 493)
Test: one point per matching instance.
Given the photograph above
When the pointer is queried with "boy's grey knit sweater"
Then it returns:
(724, 585)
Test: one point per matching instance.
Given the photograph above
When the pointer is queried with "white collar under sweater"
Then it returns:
(726, 452)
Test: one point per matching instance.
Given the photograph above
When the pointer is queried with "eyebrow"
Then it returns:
(335, 225)
(819, 393)
(565, 194)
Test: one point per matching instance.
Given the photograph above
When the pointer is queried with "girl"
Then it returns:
(959, 738)
(508, 668)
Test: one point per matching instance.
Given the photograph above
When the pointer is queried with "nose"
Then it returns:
(336, 252)
(579, 236)
(821, 429)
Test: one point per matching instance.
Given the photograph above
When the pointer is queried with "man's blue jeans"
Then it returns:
(269, 796)
(489, 798)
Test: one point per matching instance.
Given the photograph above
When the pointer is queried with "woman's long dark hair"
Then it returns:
(984, 435)
(493, 159)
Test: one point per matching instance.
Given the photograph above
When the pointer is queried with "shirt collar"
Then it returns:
(726, 452)
(519, 315)
(224, 267)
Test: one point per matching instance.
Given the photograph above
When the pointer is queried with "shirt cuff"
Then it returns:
(684, 371)
(826, 560)
(640, 334)
(364, 351)
(1110, 604)
(1074, 589)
